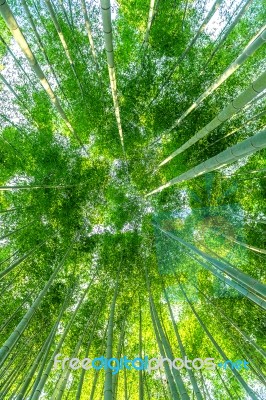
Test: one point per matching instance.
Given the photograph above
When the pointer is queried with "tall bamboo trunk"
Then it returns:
(4, 188)
(244, 291)
(173, 380)
(88, 29)
(40, 382)
(218, 348)
(82, 374)
(170, 379)
(118, 356)
(182, 350)
(9, 257)
(202, 27)
(242, 11)
(108, 39)
(108, 382)
(232, 154)
(25, 300)
(231, 109)
(63, 42)
(169, 353)
(141, 388)
(18, 98)
(224, 385)
(11, 22)
(18, 63)
(15, 231)
(21, 259)
(16, 334)
(234, 273)
(255, 43)
(62, 382)
(220, 311)
(41, 45)
(45, 349)
(242, 244)
(152, 11)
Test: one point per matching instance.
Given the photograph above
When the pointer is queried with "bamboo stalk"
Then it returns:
(11, 22)
(255, 43)
(242, 382)
(108, 39)
(16, 334)
(231, 109)
(232, 154)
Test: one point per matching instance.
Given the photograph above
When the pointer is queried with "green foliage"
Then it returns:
(91, 199)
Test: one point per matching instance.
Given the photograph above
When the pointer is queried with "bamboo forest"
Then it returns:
(132, 199)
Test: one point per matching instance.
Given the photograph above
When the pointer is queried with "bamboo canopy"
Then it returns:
(106, 291)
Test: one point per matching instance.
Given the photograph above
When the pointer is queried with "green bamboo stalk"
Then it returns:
(44, 350)
(108, 39)
(152, 11)
(204, 387)
(202, 27)
(231, 109)
(176, 374)
(246, 246)
(17, 333)
(232, 154)
(242, 290)
(170, 379)
(108, 392)
(39, 384)
(10, 381)
(35, 187)
(174, 380)
(247, 122)
(255, 43)
(96, 374)
(71, 26)
(88, 29)
(21, 259)
(14, 209)
(11, 22)
(40, 43)
(14, 313)
(225, 386)
(71, 13)
(118, 356)
(63, 42)
(82, 374)
(243, 334)
(147, 386)
(8, 258)
(234, 273)
(19, 355)
(18, 63)
(125, 385)
(182, 349)
(141, 387)
(243, 9)
(16, 230)
(61, 384)
(20, 101)
(242, 382)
